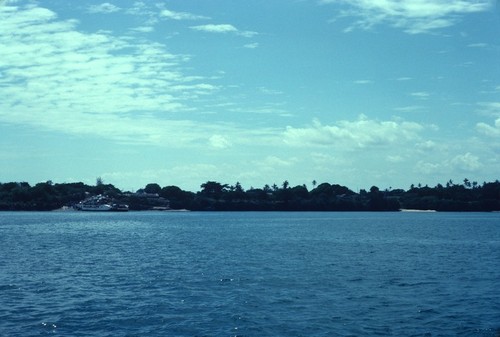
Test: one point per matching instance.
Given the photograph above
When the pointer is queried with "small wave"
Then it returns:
(48, 327)
(429, 311)
(8, 287)
(226, 280)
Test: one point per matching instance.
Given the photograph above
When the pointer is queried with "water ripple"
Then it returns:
(249, 274)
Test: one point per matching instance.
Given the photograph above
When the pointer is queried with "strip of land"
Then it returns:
(214, 196)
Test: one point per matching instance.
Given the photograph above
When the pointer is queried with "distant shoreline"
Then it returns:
(215, 196)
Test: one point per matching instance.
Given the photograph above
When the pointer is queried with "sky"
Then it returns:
(353, 92)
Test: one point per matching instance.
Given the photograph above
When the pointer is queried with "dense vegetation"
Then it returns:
(222, 197)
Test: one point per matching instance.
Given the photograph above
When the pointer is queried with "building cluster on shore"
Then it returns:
(215, 196)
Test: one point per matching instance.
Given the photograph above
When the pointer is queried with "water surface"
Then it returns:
(249, 274)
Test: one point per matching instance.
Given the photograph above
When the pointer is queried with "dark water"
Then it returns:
(249, 274)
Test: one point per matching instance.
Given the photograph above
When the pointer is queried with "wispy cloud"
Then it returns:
(268, 91)
(275, 162)
(143, 29)
(363, 82)
(422, 95)
(489, 108)
(477, 45)
(56, 77)
(211, 28)
(413, 16)
(223, 28)
(409, 108)
(140, 8)
(105, 7)
(181, 15)
(251, 45)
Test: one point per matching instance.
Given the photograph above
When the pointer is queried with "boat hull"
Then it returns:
(96, 208)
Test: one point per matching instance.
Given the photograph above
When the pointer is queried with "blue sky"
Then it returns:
(360, 92)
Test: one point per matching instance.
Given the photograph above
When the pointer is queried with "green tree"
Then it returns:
(238, 188)
(213, 189)
(152, 188)
(300, 192)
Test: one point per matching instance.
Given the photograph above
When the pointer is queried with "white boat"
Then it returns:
(94, 207)
(98, 203)
(119, 208)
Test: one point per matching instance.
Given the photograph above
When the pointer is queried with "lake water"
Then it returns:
(249, 274)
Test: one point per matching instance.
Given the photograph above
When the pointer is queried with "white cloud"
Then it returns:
(395, 159)
(421, 95)
(323, 158)
(181, 15)
(409, 108)
(459, 163)
(223, 28)
(268, 91)
(211, 28)
(477, 45)
(363, 82)
(489, 130)
(251, 45)
(413, 16)
(105, 7)
(490, 108)
(353, 134)
(271, 164)
(427, 145)
(427, 168)
(247, 33)
(139, 8)
(277, 162)
(466, 162)
(143, 29)
(219, 142)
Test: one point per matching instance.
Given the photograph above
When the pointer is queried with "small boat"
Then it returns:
(119, 208)
(94, 207)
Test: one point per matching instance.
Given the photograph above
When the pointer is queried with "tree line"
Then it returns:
(215, 196)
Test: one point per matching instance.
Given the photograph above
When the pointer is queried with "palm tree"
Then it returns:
(286, 184)
(467, 183)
